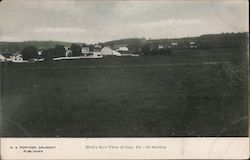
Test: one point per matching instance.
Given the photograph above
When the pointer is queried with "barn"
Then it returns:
(106, 51)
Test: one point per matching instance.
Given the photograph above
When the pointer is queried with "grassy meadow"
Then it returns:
(182, 94)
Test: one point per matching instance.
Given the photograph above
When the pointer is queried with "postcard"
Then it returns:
(124, 79)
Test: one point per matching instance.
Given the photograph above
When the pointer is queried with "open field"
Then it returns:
(190, 93)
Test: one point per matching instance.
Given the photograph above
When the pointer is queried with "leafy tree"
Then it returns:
(59, 51)
(152, 49)
(29, 53)
(101, 44)
(48, 54)
(76, 50)
(146, 49)
(91, 48)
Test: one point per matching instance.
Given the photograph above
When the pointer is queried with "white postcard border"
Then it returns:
(125, 148)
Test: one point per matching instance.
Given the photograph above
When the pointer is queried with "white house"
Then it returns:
(40, 52)
(85, 50)
(160, 46)
(124, 49)
(174, 45)
(17, 58)
(192, 45)
(68, 53)
(2, 58)
(97, 52)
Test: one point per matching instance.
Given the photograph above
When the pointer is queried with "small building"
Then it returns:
(68, 53)
(2, 58)
(174, 45)
(192, 45)
(124, 49)
(17, 57)
(97, 52)
(39, 52)
(119, 46)
(85, 50)
(160, 46)
(40, 55)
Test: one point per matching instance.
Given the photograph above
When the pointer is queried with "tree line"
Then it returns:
(31, 52)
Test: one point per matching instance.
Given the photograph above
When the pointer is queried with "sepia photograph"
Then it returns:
(124, 69)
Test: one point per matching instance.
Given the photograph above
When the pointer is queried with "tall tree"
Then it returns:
(59, 51)
(29, 53)
(91, 47)
(48, 54)
(76, 50)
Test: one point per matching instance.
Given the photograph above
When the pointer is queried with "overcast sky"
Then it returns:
(99, 21)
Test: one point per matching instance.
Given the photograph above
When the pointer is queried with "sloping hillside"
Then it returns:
(15, 46)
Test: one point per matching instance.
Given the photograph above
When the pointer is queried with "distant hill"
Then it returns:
(224, 40)
(17, 46)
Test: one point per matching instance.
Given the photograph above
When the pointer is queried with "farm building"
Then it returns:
(123, 50)
(108, 51)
